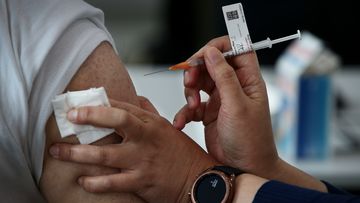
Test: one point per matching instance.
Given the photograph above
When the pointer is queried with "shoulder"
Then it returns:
(101, 68)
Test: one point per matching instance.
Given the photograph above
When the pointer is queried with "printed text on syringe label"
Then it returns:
(237, 28)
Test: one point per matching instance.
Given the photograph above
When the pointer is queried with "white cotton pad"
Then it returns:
(63, 103)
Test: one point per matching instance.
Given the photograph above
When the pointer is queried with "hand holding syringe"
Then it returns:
(255, 46)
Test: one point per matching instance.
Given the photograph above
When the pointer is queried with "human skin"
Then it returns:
(238, 132)
(158, 162)
(58, 182)
(236, 116)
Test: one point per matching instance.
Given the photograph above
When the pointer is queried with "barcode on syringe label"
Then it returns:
(237, 29)
(232, 15)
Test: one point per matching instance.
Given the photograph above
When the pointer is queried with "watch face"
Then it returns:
(210, 187)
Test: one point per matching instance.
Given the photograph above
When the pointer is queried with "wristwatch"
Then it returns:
(214, 185)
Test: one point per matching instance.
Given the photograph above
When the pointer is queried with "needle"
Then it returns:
(157, 72)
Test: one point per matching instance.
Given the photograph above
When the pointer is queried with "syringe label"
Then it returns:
(237, 28)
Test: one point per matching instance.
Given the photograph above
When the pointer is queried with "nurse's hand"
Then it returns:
(157, 162)
(236, 116)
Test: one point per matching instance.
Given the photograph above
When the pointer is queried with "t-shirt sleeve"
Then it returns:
(82, 30)
(43, 43)
(275, 191)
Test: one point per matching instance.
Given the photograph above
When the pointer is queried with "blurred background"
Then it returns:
(152, 34)
(168, 31)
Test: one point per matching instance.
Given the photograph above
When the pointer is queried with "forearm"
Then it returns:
(289, 174)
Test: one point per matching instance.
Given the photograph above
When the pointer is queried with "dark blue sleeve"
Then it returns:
(274, 191)
(333, 190)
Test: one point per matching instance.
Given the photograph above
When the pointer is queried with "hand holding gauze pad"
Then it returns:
(65, 102)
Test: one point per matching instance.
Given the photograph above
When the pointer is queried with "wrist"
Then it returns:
(215, 184)
(198, 166)
(284, 172)
(246, 187)
(273, 169)
(270, 168)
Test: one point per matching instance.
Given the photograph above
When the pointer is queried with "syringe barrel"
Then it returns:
(262, 44)
(267, 43)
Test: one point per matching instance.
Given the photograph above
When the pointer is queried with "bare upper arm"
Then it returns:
(58, 180)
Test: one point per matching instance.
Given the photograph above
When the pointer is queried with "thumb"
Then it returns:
(224, 76)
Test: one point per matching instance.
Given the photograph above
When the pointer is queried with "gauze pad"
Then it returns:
(63, 103)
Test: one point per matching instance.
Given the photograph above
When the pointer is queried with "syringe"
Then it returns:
(255, 46)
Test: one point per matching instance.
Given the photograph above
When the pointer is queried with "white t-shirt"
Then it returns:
(42, 45)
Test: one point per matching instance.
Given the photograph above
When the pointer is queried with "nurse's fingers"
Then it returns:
(227, 83)
(120, 182)
(193, 98)
(109, 117)
(186, 115)
(146, 107)
(115, 156)
(221, 43)
(199, 78)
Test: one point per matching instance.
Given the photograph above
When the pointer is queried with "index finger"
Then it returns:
(245, 65)
(108, 117)
(197, 77)
(221, 43)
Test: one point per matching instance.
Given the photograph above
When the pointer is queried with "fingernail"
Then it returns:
(80, 180)
(213, 56)
(186, 77)
(54, 151)
(174, 123)
(72, 115)
(190, 101)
